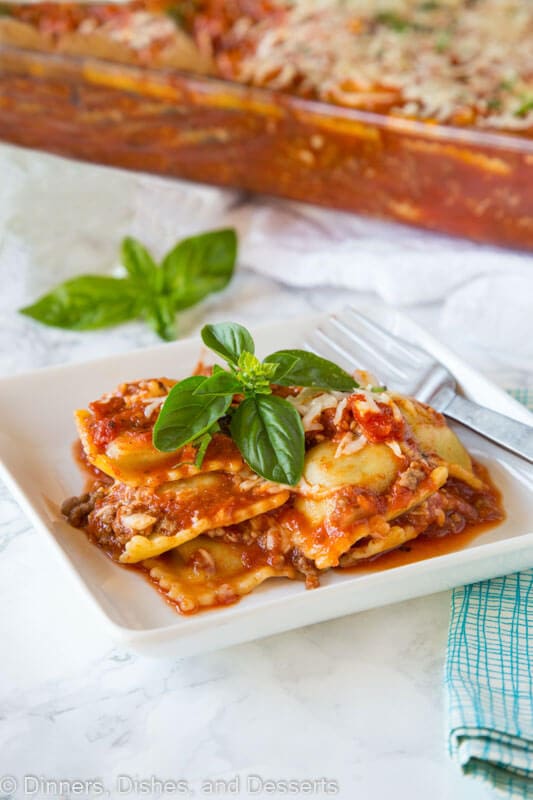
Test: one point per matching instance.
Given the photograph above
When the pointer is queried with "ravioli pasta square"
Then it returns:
(137, 523)
(210, 572)
(379, 470)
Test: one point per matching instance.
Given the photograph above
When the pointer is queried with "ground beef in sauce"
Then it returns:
(77, 509)
(306, 567)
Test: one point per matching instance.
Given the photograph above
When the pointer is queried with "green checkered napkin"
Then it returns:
(489, 678)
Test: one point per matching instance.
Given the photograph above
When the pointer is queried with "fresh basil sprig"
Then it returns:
(270, 435)
(194, 268)
(228, 340)
(186, 415)
(267, 429)
(301, 368)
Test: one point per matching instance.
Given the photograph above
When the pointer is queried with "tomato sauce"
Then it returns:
(377, 427)
(455, 533)
(421, 548)
(91, 473)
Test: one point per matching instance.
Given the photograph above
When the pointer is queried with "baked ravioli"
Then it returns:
(380, 470)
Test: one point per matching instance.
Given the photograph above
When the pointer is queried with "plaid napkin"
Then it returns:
(489, 679)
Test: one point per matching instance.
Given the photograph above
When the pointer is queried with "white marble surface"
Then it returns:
(358, 700)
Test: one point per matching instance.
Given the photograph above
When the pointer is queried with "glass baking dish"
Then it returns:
(460, 181)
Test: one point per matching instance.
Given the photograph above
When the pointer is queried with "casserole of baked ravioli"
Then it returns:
(378, 470)
(458, 62)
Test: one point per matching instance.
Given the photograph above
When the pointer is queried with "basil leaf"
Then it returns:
(186, 416)
(160, 315)
(309, 370)
(203, 443)
(139, 264)
(228, 340)
(87, 303)
(198, 266)
(220, 383)
(283, 366)
(269, 434)
(254, 376)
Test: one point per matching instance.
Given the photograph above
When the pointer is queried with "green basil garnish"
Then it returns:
(185, 416)
(87, 303)
(267, 429)
(525, 107)
(270, 435)
(228, 340)
(139, 264)
(301, 368)
(203, 444)
(199, 265)
(160, 315)
(194, 268)
(220, 383)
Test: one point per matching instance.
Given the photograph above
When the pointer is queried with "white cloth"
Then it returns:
(486, 292)
(60, 218)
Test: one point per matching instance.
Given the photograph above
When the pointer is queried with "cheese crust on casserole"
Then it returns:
(380, 469)
(458, 62)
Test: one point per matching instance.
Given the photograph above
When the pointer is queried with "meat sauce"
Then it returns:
(467, 514)
(113, 417)
(421, 548)
(438, 542)
(481, 511)
(92, 475)
(448, 521)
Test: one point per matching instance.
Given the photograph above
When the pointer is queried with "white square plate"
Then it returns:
(36, 454)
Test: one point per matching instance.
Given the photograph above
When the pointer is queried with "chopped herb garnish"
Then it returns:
(176, 15)
(378, 389)
(398, 23)
(182, 12)
(494, 104)
(393, 21)
(443, 40)
(525, 108)
(507, 84)
(267, 429)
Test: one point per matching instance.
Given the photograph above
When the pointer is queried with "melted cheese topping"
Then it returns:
(464, 62)
(449, 61)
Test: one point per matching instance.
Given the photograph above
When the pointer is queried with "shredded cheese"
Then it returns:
(395, 447)
(340, 411)
(350, 444)
(310, 403)
(152, 405)
(449, 61)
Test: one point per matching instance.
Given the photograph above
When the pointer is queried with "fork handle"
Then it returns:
(509, 433)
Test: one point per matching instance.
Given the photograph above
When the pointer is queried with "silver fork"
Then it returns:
(356, 341)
